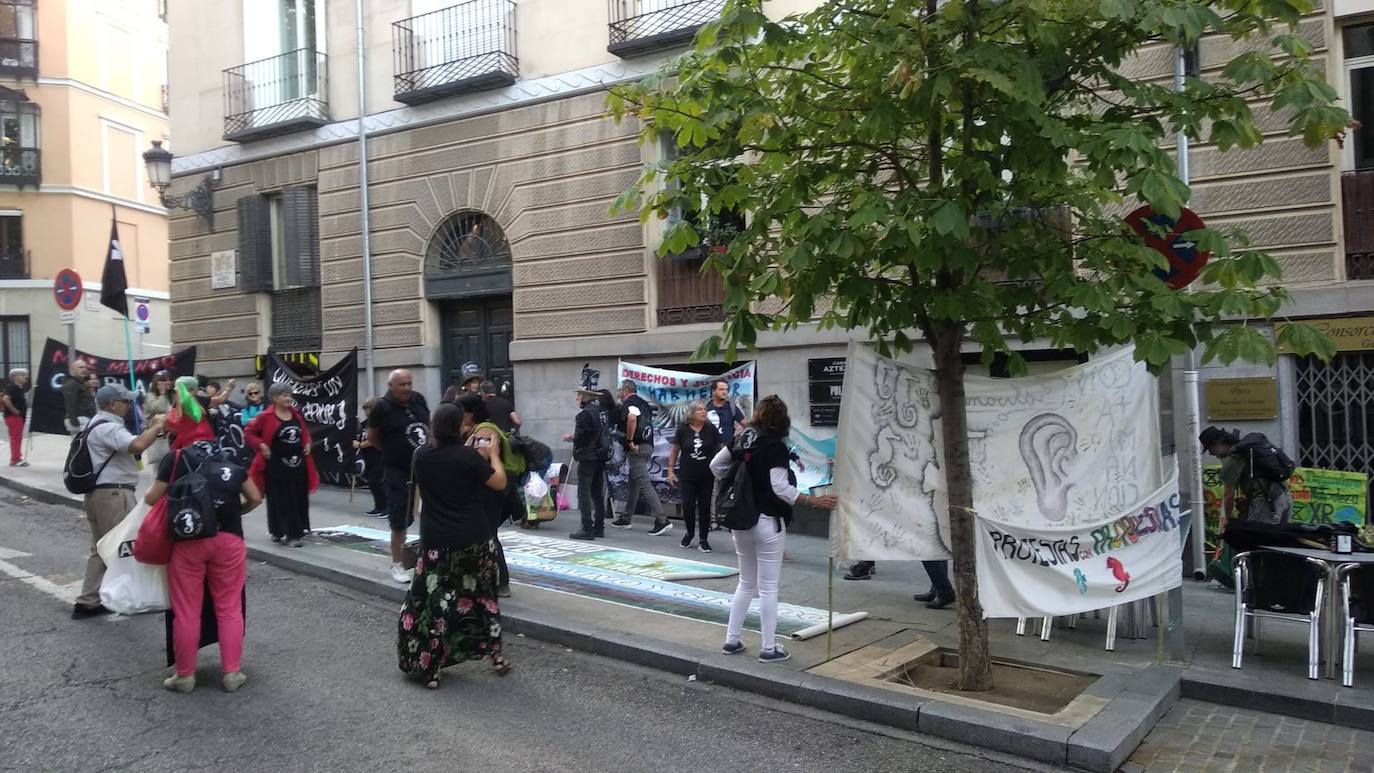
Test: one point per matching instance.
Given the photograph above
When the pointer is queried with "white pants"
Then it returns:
(760, 566)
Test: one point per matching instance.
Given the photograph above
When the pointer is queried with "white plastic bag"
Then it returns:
(130, 587)
(536, 487)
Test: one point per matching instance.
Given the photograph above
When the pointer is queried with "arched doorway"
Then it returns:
(468, 274)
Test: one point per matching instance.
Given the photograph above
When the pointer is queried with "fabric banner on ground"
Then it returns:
(1062, 570)
(671, 392)
(600, 556)
(48, 410)
(329, 404)
(1065, 450)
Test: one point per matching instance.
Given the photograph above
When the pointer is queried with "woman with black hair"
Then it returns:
(451, 612)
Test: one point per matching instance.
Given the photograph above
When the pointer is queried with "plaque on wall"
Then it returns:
(224, 268)
(1242, 399)
(825, 369)
(826, 392)
(825, 415)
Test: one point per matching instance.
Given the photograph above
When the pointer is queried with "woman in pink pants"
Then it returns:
(218, 562)
(15, 401)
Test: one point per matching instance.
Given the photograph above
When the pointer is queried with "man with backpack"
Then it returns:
(591, 439)
(108, 449)
(1261, 473)
(637, 422)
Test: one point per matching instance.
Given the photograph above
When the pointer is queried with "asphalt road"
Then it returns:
(324, 694)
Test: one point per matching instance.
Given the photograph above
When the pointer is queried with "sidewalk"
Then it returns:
(1097, 732)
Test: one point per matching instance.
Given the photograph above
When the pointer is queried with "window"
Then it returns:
(16, 20)
(715, 230)
(1359, 70)
(19, 143)
(279, 252)
(11, 234)
(14, 336)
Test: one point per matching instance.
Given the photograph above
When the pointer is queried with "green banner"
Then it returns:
(1319, 496)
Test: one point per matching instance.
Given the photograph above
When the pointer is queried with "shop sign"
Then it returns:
(1242, 399)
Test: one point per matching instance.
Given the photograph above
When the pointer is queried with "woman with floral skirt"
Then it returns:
(451, 612)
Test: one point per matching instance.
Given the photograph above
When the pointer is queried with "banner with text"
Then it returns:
(329, 404)
(48, 410)
(1319, 496)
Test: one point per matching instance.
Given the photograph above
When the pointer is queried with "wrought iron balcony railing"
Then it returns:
(14, 263)
(19, 57)
(277, 95)
(20, 166)
(644, 26)
(468, 47)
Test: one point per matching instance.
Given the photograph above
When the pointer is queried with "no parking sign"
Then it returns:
(1185, 260)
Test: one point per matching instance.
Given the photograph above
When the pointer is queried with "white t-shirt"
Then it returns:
(111, 441)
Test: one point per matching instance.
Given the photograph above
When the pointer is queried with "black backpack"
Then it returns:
(538, 456)
(79, 473)
(1267, 460)
(190, 507)
(735, 501)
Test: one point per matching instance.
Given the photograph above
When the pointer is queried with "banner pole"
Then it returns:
(830, 610)
(133, 382)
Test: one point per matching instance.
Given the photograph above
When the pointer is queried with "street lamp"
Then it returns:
(200, 199)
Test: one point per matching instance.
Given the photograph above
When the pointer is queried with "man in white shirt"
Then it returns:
(112, 449)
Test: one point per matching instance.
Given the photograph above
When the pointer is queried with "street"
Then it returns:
(324, 693)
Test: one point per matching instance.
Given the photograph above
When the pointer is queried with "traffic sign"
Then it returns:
(67, 289)
(1185, 259)
(142, 312)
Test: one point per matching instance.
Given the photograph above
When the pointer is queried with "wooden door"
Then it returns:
(480, 330)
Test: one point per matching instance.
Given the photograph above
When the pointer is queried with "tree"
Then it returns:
(957, 172)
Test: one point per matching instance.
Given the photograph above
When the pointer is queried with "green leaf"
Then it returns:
(950, 220)
(1303, 339)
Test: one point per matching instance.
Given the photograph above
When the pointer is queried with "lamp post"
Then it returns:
(200, 199)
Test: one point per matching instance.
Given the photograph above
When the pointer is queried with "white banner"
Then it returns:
(1043, 572)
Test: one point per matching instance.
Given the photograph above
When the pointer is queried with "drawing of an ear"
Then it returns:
(1049, 445)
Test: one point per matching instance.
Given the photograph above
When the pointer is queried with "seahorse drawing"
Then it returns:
(1049, 445)
(881, 468)
(1081, 580)
(1119, 572)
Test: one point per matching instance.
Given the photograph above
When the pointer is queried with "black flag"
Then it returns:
(113, 282)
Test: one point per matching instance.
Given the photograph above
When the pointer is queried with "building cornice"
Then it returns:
(521, 94)
(106, 95)
(88, 287)
(88, 193)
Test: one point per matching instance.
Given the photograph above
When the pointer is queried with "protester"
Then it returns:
(112, 449)
(696, 443)
(637, 423)
(589, 427)
(158, 401)
(371, 458)
(398, 424)
(472, 378)
(480, 431)
(760, 547)
(728, 419)
(1255, 474)
(283, 470)
(499, 408)
(220, 403)
(451, 612)
(218, 563)
(941, 593)
(77, 399)
(253, 403)
(16, 404)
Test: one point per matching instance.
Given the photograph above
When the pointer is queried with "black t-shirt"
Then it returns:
(404, 429)
(696, 448)
(452, 481)
(644, 425)
(288, 452)
(225, 479)
(17, 396)
(500, 409)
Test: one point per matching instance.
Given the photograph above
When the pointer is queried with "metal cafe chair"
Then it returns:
(1357, 613)
(1277, 586)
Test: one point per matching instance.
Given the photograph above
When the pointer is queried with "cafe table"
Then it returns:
(1334, 561)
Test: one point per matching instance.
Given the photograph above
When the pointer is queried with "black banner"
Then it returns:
(48, 411)
(329, 403)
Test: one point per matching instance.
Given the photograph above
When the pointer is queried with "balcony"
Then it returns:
(469, 47)
(20, 166)
(1357, 213)
(278, 95)
(18, 58)
(687, 294)
(14, 263)
(645, 26)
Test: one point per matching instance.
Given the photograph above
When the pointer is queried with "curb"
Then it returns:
(1101, 745)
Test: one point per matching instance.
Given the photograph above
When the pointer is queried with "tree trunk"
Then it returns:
(975, 665)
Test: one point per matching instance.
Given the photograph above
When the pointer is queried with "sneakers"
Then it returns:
(775, 655)
(661, 528)
(864, 570)
(401, 574)
(582, 534)
(276, 538)
(939, 602)
(19, 464)
(732, 647)
(233, 681)
(686, 541)
(80, 612)
(599, 532)
(375, 513)
(623, 522)
(297, 543)
(503, 591)
(180, 683)
(704, 547)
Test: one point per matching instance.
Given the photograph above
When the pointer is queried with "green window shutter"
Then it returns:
(255, 244)
(301, 224)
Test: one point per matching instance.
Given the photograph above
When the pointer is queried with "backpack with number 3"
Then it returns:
(190, 508)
